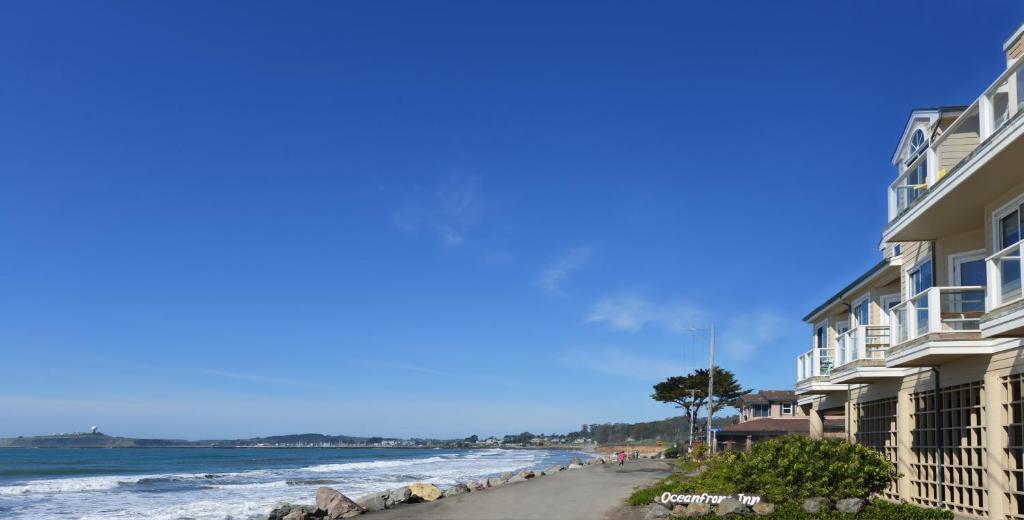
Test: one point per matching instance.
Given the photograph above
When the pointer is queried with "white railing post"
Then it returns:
(893, 210)
(815, 362)
(934, 310)
(862, 343)
(986, 117)
(910, 317)
(994, 284)
(894, 327)
(799, 367)
(932, 173)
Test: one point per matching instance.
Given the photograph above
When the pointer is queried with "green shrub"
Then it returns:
(671, 453)
(644, 496)
(793, 468)
(877, 510)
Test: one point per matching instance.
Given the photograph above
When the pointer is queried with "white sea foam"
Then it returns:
(247, 494)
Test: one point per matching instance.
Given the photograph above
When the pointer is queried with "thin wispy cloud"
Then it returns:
(746, 334)
(553, 276)
(449, 211)
(623, 363)
(632, 314)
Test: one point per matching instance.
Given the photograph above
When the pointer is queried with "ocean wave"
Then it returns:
(105, 483)
(349, 466)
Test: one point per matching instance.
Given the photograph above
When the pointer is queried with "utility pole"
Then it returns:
(693, 416)
(711, 387)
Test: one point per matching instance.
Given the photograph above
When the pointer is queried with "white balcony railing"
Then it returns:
(863, 342)
(937, 310)
(1004, 271)
(987, 115)
(813, 363)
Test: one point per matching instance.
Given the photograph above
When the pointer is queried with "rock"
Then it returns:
(599, 461)
(731, 506)
(279, 512)
(475, 486)
(657, 511)
(678, 510)
(425, 492)
(763, 508)
(575, 466)
(816, 505)
(494, 482)
(397, 496)
(295, 514)
(697, 509)
(506, 475)
(576, 461)
(336, 504)
(457, 489)
(374, 501)
(554, 469)
(850, 505)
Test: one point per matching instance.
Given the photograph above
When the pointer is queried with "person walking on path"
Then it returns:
(622, 457)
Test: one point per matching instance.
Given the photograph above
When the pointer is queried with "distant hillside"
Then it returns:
(88, 440)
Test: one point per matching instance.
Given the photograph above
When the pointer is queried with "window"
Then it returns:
(920, 277)
(896, 250)
(1009, 228)
(860, 313)
(917, 142)
(761, 410)
(787, 408)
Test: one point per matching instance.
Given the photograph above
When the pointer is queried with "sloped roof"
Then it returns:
(768, 396)
(771, 425)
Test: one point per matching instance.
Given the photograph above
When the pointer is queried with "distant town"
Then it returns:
(667, 430)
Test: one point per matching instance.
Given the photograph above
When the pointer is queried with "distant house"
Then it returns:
(766, 414)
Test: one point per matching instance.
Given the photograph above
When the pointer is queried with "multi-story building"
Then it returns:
(941, 315)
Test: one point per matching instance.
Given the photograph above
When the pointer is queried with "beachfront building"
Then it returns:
(923, 355)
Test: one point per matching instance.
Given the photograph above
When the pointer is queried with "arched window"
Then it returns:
(917, 142)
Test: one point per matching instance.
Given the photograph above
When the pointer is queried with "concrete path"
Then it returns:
(581, 494)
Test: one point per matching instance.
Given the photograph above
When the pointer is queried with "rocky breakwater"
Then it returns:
(333, 505)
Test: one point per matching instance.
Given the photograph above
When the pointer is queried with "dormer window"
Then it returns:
(917, 145)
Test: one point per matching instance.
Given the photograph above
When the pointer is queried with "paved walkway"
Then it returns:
(581, 494)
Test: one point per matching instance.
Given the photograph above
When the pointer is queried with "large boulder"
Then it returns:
(554, 469)
(576, 466)
(336, 504)
(506, 476)
(457, 489)
(657, 511)
(816, 505)
(374, 501)
(296, 514)
(494, 482)
(731, 506)
(697, 509)
(850, 505)
(473, 485)
(577, 461)
(398, 496)
(763, 508)
(522, 476)
(279, 512)
(599, 461)
(422, 491)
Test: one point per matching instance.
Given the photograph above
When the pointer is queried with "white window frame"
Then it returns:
(956, 259)
(909, 278)
(882, 300)
(814, 335)
(998, 215)
(866, 302)
(782, 409)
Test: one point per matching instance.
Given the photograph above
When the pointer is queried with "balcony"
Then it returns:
(860, 356)
(974, 161)
(1005, 302)
(937, 325)
(813, 369)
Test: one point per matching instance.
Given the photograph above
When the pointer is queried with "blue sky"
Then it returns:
(444, 218)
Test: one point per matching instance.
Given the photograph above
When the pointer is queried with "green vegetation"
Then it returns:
(786, 470)
(690, 392)
(877, 510)
(671, 453)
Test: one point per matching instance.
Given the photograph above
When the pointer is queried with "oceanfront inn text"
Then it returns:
(922, 356)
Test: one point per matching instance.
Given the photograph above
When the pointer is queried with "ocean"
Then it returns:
(219, 484)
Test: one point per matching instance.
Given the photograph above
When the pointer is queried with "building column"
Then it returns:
(995, 458)
(904, 442)
(817, 428)
(851, 418)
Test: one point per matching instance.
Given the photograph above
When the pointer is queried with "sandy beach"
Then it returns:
(591, 493)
